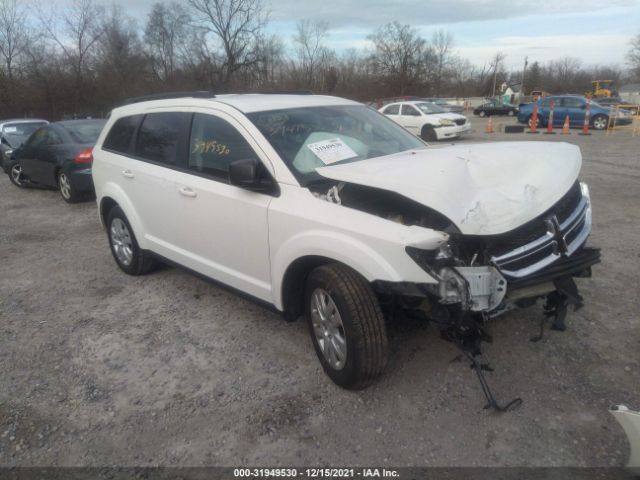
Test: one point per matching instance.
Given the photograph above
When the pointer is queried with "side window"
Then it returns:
(409, 110)
(214, 144)
(572, 102)
(52, 138)
(161, 137)
(38, 139)
(545, 103)
(392, 110)
(121, 133)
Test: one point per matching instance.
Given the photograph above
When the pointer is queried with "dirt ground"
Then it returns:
(99, 368)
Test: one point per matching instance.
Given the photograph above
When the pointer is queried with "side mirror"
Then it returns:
(249, 174)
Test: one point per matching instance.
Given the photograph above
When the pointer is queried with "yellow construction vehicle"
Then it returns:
(600, 89)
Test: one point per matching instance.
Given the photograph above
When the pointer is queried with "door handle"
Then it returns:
(187, 192)
(127, 174)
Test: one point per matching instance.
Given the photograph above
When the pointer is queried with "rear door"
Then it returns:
(34, 154)
(575, 107)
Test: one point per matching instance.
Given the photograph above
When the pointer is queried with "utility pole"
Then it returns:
(523, 72)
(496, 61)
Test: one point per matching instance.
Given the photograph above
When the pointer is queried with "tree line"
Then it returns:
(85, 59)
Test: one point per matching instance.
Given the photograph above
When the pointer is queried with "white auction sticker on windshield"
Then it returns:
(10, 129)
(332, 150)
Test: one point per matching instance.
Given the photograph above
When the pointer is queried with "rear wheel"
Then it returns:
(67, 189)
(510, 113)
(346, 325)
(125, 249)
(530, 121)
(482, 113)
(16, 176)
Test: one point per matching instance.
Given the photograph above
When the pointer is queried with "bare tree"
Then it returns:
(12, 34)
(441, 43)
(311, 53)
(397, 54)
(633, 57)
(165, 29)
(237, 25)
(81, 30)
(496, 62)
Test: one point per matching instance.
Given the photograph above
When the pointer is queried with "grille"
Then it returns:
(461, 121)
(536, 228)
(557, 233)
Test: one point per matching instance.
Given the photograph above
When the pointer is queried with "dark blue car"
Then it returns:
(575, 107)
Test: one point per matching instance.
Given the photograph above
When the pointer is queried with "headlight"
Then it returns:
(447, 123)
(7, 153)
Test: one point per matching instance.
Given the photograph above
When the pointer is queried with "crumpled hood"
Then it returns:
(484, 189)
(447, 116)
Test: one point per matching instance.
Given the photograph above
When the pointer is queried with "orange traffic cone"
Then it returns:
(489, 128)
(565, 127)
(534, 120)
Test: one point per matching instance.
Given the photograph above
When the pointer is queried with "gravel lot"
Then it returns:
(99, 368)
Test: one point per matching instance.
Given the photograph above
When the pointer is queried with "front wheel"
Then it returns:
(600, 122)
(16, 176)
(125, 249)
(428, 133)
(510, 113)
(346, 325)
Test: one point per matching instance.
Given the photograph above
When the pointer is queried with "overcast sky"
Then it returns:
(596, 31)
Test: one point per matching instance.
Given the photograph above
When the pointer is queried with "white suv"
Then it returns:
(427, 120)
(322, 207)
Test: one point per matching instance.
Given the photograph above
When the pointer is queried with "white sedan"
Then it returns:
(427, 120)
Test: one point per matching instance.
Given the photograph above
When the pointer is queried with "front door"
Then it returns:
(411, 118)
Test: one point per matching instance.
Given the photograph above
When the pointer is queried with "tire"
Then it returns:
(128, 255)
(354, 349)
(482, 113)
(510, 113)
(66, 188)
(599, 122)
(15, 175)
(538, 122)
(428, 134)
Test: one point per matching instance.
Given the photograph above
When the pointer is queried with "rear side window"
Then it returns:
(162, 137)
(392, 110)
(214, 144)
(121, 134)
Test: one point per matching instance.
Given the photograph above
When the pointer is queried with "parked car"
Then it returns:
(442, 103)
(493, 107)
(13, 133)
(573, 106)
(427, 120)
(618, 102)
(320, 206)
(58, 155)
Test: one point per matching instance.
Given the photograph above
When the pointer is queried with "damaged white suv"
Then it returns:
(322, 207)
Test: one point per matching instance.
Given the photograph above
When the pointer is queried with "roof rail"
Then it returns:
(285, 92)
(169, 95)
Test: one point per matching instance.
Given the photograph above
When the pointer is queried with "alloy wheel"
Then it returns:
(65, 186)
(121, 241)
(16, 174)
(328, 328)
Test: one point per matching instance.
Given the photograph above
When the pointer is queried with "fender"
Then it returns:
(114, 191)
(394, 266)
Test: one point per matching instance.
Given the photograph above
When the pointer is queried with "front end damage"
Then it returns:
(478, 277)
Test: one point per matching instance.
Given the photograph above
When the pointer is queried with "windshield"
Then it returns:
(311, 137)
(16, 133)
(429, 108)
(86, 132)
